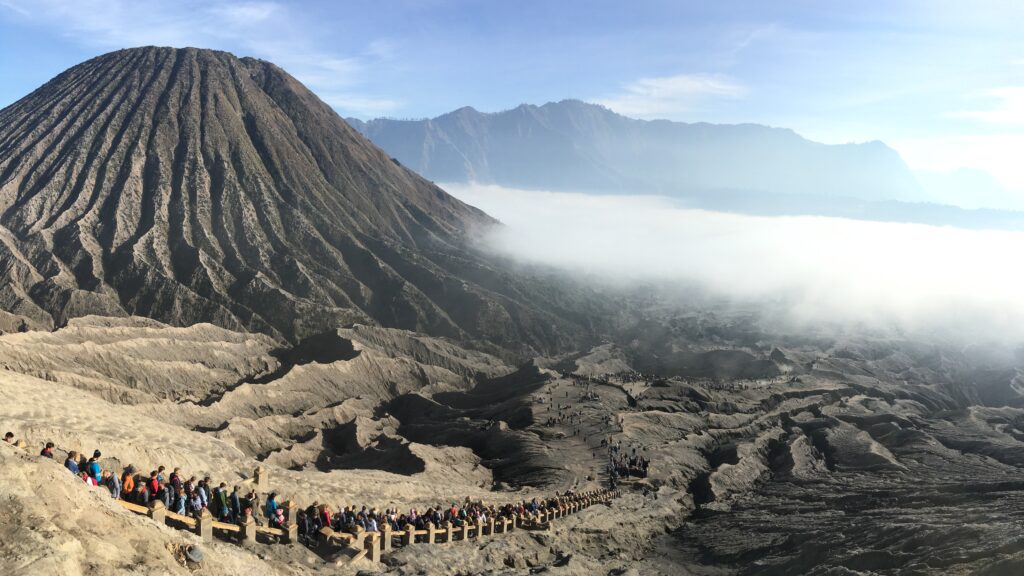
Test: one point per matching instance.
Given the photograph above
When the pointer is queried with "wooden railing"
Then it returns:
(369, 545)
(366, 544)
(372, 544)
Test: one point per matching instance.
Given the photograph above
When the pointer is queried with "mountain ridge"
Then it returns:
(572, 145)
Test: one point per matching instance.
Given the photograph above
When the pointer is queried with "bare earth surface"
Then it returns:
(833, 461)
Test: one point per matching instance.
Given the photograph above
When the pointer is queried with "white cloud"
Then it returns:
(813, 269)
(670, 96)
(997, 154)
(245, 13)
(1008, 110)
(360, 106)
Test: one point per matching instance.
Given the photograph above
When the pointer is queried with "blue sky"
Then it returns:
(942, 82)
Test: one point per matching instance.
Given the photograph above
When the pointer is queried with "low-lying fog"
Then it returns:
(828, 270)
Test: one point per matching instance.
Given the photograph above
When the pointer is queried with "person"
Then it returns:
(216, 504)
(93, 467)
(88, 479)
(203, 489)
(71, 463)
(195, 504)
(223, 504)
(315, 523)
(178, 506)
(270, 511)
(153, 486)
(128, 481)
(175, 479)
(251, 506)
(112, 483)
(9, 437)
(47, 451)
(141, 496)
(235, 502)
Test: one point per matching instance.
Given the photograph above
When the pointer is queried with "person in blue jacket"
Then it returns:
(72, 462)
(93, 467)
(270, 511)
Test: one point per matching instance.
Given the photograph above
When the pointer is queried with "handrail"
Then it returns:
(137, 508)
(271, 530)
(371, 543)
(188, 520)
(225, 526)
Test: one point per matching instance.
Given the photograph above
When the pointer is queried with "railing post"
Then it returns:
(374, 543)
(324, 537)
(157, 511)
(260, 480)
(465, 530)
(248, 529)
(385, 534)
(490, 526)
(289, 510)
(431, 532)
(204, 526)
(291, 532)
(410, 535)
(479, 528)
(451, 532)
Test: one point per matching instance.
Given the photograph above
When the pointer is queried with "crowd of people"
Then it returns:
(190, 496)
(625, 465)
(180, 494)
(350, 519)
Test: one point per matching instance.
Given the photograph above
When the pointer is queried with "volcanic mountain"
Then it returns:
(190, 186)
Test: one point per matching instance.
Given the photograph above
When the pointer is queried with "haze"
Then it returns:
(820, 270)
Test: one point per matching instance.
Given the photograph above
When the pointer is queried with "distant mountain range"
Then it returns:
(576, 146)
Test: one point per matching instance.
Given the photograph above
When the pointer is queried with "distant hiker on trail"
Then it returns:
(47, 450)
(9, 437)
(71, 463)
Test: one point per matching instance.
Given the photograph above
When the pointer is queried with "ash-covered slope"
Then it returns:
(192, 186)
